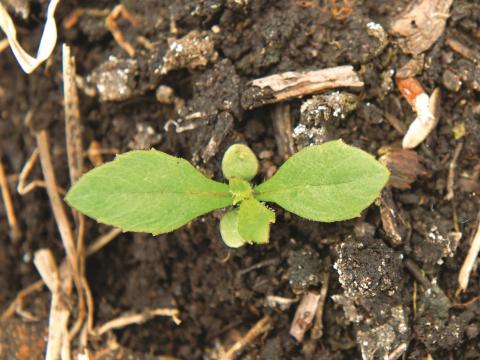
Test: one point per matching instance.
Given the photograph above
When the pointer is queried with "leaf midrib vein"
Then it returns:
(286, 188)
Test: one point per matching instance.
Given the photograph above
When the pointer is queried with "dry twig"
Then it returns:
(317, 328)
(127, 320)
(262, 326)
(289, 85)
(464, 275)
(7, 200)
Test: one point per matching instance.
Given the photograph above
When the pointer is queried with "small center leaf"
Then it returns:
(254, 220)
(240, 190)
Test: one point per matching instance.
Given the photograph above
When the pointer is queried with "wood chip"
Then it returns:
(303, 319)
(393, 224)
(421, 24)
(282, 127)
(289, 85)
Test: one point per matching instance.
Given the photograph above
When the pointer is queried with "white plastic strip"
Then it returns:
(47, 42)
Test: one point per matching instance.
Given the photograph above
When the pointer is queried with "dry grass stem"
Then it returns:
(22, 187)
(7, 200)
(56, 202)
(140, 318)
(98, 244)
(18, 301)
(261, 327)
(75, 157)
(59, 310)
(289, 85)
(472, 255)
(73, 130)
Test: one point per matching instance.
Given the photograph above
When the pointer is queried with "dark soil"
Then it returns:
(220, 292)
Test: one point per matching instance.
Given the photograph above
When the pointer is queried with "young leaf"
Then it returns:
(147, 191)
(240, 189)
(328, 182)
(239, 161)
(254, 221)
(229, 230)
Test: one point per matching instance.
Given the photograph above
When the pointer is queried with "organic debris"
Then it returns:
(426, 107)
(47, 41)
(404, 165)
(289, 85)
(421, 24)
(304, 316)
(468, 264)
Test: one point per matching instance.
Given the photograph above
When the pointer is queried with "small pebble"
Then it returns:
(451, 81)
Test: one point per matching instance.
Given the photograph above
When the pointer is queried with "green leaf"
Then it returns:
(229, 230)
(254, 220)
(147, 191)
(239, 161)
(328, 182)
(240, 190)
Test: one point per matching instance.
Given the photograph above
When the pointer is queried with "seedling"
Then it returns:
(150, 191)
